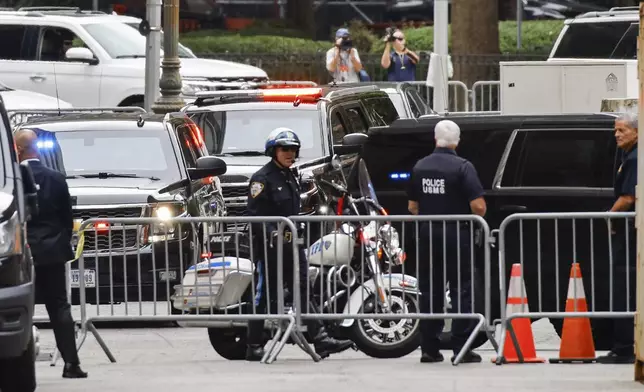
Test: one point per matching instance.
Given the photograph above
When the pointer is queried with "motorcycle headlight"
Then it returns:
(164, 211)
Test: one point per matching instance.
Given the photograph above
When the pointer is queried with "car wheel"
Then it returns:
(19, 374)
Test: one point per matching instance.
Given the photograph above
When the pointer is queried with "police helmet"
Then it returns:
(281, 137)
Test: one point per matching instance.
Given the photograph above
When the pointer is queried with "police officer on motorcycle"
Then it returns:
(274, 191)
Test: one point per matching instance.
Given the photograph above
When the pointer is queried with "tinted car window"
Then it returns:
(144, 152)
(555, 158)
(591, 40)
(627, 47)
(12, 37)
(357, 120)
(382, 110)
(242, 131)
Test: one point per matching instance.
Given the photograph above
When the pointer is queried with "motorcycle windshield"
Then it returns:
(364, 181)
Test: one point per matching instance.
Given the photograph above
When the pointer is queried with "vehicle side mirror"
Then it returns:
(30, 188)
(208, 167)
(351, 143)
(81, 55)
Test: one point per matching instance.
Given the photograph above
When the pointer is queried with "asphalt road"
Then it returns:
(172, 359)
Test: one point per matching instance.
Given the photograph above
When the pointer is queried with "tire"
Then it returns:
(360, 335)
(230, 343)
(19, 374)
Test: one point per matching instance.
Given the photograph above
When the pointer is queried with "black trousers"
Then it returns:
(51, 290)
(267, 288)
(623, 328)
(432, 272)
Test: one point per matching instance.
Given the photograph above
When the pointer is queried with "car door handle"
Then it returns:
(37, 78)
(513, 208)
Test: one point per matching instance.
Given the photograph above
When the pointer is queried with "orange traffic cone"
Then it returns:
(577, 343)
(522, 327)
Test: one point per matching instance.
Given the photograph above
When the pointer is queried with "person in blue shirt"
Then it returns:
(399, 61)
(624, 242)
(443, 183)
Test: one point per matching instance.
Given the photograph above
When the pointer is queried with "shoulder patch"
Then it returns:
(256, 188)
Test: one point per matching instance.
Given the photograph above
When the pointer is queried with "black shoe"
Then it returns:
(73, 371)
(254, 353)
(469, 357)
(616, 359)
(431, 358)
(327, 346)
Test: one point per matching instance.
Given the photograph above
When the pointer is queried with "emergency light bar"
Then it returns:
(294, 95)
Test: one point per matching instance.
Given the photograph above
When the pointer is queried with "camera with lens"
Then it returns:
(346, 43)
(389, 34)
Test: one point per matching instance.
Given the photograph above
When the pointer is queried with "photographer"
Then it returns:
(343, 61)
(400, 62)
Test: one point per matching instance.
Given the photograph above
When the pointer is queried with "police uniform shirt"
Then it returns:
(444, 184)
(626, 177)
(273, 191)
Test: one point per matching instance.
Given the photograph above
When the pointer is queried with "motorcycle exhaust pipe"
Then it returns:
(346, 276)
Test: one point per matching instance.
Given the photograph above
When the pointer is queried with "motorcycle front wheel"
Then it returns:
(388, 338)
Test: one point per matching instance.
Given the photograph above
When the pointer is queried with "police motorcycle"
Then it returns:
(346, 274)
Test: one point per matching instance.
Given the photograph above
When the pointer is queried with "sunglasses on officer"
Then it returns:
(289, 148)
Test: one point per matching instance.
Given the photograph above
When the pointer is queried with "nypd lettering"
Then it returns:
(433, 186)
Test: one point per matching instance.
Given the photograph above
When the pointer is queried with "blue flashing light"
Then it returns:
(45, 144)
(399, 176)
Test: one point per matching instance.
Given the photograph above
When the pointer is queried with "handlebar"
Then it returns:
(337, 187)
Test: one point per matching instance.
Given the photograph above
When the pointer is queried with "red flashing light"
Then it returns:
(206, 255)
(303, 95)
(101, 226)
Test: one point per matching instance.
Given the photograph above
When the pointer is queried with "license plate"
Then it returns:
(164, 275)
(90, 278)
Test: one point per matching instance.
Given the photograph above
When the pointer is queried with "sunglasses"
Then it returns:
(289, 149)
(400, 38)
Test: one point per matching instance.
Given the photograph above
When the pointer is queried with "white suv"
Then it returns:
(607, 35)
(96, 60)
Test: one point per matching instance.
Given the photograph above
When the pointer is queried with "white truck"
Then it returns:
(594, 58)
(96, 60)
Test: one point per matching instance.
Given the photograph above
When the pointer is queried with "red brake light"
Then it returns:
(303, 95)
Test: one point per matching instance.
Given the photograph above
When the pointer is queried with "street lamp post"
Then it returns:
(170, 83)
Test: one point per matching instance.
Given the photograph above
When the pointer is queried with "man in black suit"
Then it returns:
(49, 236)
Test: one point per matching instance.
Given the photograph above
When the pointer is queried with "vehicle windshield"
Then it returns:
(122, 42)
(591, 40)
(244, 132)
(145, 153)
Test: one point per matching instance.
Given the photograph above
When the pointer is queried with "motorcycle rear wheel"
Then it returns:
(230, 343)
(364, 331)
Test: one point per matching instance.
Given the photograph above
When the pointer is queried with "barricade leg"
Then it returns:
(466, 347)
(99, 339)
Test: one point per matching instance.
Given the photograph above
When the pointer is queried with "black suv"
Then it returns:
(18, 201)
(526, 163)
(128, 165)
(237, 123)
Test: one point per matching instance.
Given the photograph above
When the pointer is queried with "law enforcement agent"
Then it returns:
(624, 241)
(443, 183)
(49, 235)
(274, 191)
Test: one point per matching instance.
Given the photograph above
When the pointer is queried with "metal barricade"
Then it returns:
(486, 96)
(545, 245)
(132, 259)
(360, 283)
(458, 94)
